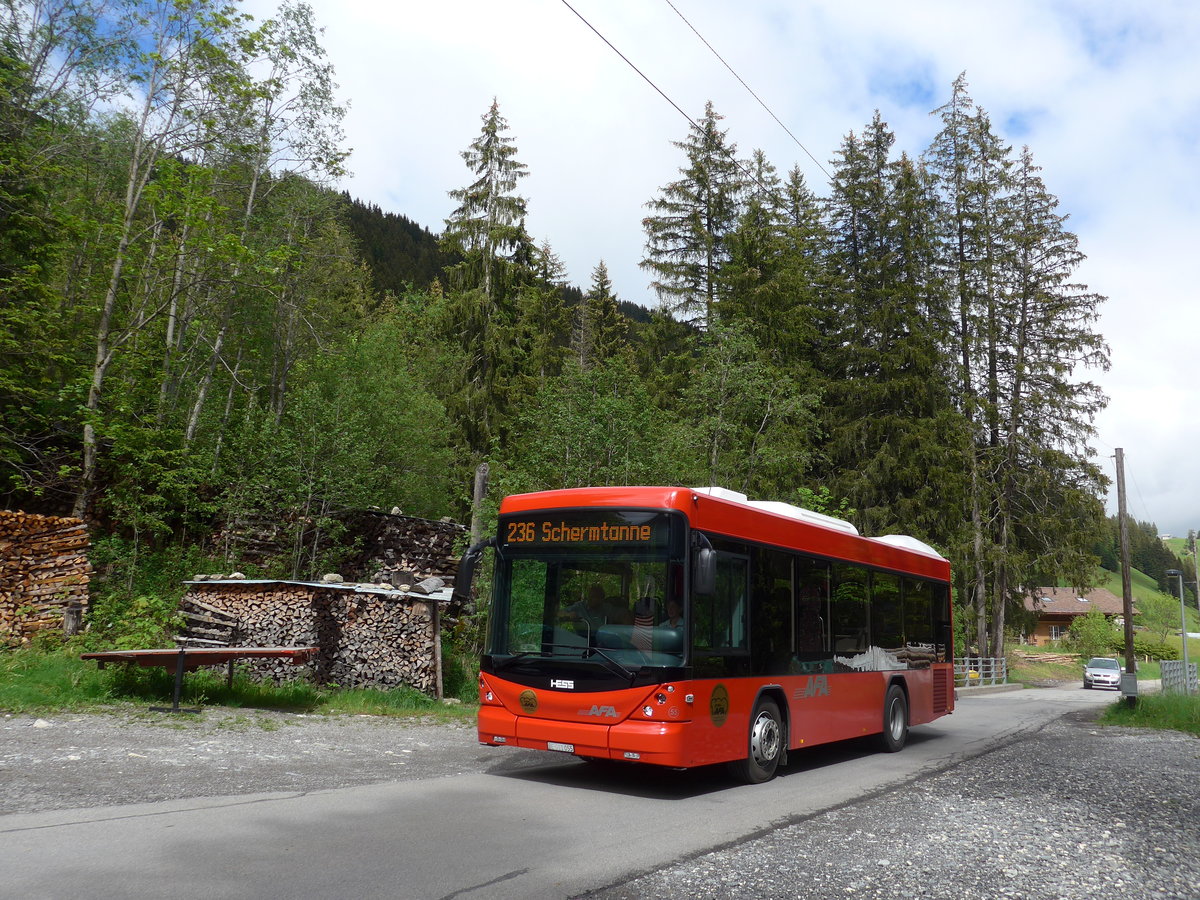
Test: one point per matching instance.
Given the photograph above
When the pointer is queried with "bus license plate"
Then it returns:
(562, 748)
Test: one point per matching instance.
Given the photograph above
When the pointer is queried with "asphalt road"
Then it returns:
(383, 809)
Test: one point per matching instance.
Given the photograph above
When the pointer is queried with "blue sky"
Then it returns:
(1106, 94)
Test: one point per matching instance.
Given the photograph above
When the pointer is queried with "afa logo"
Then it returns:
(814, 686)
(528, 701)
(718, 705)
(596, 710)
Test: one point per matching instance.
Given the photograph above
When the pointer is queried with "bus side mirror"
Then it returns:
(466, 570)
(704, 573)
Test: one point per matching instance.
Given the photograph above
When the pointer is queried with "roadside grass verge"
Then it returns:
(1033, 672)
(33, 681)
(1180, 712)
(1038, 673)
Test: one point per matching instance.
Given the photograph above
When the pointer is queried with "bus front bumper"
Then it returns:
(659, 743)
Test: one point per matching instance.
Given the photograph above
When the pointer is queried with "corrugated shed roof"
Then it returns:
(442, 595)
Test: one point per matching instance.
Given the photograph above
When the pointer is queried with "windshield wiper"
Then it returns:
(588, 652)
(620, 669)
(505, 663)
(544, 652)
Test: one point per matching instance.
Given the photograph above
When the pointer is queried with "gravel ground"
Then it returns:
(70, 761)
(1073, 812)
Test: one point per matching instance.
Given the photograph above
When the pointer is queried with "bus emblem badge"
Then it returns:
(528, 701)
(718, 705)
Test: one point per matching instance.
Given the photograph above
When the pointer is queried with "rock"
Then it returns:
(396, 511)
(42, 723)
(237, 575)
(331, 578)
(429, 585)
(402, 579)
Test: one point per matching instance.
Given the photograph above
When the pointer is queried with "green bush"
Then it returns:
(1093, 634)
(1145, 646)
(133, 623)
(460, 670)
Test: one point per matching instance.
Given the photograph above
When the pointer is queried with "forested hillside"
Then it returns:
(198, 330)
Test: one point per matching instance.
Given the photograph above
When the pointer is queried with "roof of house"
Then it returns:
(1069, 602)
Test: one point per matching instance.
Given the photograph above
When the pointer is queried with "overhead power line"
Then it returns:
(645, 77)
(774, 195)
(749, 89)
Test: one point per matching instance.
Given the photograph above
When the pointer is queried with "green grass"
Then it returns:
(33, 681)
(1034, 672)
(1143, 585)
(1178, 712)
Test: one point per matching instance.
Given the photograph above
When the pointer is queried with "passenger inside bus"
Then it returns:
(595, 611)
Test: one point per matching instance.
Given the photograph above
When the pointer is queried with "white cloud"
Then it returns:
(1106, 94)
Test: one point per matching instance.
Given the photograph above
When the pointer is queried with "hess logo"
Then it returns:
(609, 712)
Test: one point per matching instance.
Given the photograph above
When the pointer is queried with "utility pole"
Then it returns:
(1129, 679)
(481, 486)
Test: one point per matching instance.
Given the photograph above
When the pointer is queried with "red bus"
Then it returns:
(685, 627)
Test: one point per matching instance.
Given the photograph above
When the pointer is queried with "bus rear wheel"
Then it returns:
(895, 719)
(764, 745)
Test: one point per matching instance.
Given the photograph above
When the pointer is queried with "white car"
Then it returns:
(1102, 673)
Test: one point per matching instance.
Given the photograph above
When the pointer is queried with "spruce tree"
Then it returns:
(688, 231)
(1044, 468)
(487, 228)
(770, 280)
(1024, 333)
(970, 166)
(600, 332)
(891, 430)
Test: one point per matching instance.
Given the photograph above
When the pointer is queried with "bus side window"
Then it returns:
(720, 618)
(887, 613)
(849, 609)
(918, 623)
(812, 606)
(943, 634)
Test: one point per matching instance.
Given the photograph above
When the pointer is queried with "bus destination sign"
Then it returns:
(565, 530)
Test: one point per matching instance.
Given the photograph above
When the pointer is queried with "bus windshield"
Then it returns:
(600, 587)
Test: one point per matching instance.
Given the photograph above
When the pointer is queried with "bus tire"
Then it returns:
(764, 744)
(895, 719)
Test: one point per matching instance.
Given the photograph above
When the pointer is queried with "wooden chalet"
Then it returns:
(1057, 608)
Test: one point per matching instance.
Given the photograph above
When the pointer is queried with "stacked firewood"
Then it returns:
(399, 549)
(390, 544)
(44, 574)
(366, 638)
(205, 623)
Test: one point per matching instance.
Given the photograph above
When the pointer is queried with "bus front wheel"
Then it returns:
(765, 744)
(895, 719)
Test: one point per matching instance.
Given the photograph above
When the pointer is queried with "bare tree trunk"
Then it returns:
(220, 439)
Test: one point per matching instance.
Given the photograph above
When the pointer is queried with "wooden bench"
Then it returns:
(182, 659)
